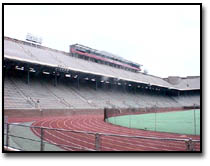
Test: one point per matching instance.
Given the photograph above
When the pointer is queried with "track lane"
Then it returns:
(96, 124)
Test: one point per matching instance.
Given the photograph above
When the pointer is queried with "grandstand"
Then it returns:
(126, 88)
(38, 77)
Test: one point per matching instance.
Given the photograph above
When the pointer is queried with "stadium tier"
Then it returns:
(18, 94)
(39, 77)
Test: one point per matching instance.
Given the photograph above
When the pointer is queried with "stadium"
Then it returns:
(92, 100)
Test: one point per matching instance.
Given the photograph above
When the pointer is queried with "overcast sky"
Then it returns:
(164, 39)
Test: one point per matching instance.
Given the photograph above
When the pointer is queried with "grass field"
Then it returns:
(181, 122)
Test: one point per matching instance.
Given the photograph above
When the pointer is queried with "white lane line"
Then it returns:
(87, 126)
(120, 143)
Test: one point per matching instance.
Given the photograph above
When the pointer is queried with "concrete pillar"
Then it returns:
(55, 83)
(96, 87)
(28, 77)
(124, 87)
(78, 82)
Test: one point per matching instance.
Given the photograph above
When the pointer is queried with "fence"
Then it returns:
(111, 112)
(31, 138)
(182, 122)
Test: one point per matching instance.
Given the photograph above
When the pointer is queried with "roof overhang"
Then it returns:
(91, 73)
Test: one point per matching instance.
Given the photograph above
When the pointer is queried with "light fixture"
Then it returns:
(68, 75)
(19, 68)
(45, 72)
(32, 70)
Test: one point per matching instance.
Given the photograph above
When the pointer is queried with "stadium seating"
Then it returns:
(18, 94)
(188, 100)
(13, 98)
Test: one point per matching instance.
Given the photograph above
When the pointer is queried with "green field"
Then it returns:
(182, 122)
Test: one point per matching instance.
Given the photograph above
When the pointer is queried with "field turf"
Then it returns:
(181, 122)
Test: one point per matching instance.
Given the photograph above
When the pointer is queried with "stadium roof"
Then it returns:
(32, 53)
(185, 83)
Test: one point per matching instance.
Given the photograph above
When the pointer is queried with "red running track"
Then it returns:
(95, 123)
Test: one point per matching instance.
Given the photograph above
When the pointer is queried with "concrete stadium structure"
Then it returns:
(39, 77)
(56, 90)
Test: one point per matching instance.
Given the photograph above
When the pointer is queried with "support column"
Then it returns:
(7, 134)
(124, 87)
(28, 77)
(4, 72)
(78, 82)
(194, 117)
(55, 83)
(97, 142)
(178, 93)
(115, 86)
(42, 139)
(96, 87)
(164, 92)
(134, 89)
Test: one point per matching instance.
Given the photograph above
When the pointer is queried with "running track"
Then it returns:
(95, 123)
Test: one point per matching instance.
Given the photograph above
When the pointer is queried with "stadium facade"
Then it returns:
(85, 78)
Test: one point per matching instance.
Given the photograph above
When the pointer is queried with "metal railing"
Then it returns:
(95, 143)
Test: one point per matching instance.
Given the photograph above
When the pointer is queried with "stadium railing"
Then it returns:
(72, 140)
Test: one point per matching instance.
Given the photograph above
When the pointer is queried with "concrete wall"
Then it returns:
(29, 113)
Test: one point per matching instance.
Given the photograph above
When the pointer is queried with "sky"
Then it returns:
(165, 39)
